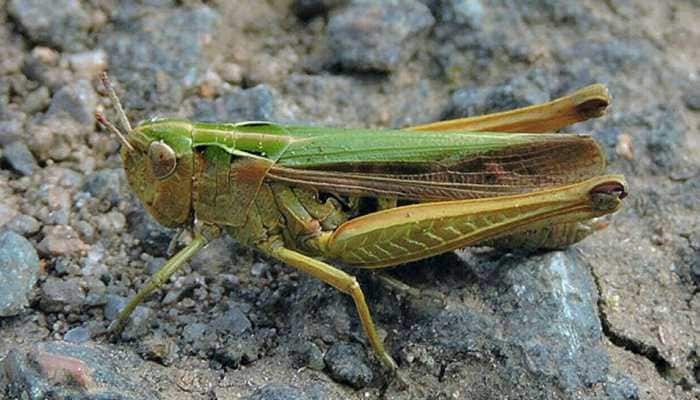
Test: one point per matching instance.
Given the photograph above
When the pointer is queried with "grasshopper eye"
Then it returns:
(163, 159)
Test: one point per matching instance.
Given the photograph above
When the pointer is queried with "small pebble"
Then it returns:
(61, 240)
(259, 268)
(77, 99)
(113, 305)
(464, 13)
(18, 156)
(59, 295)
(231, 73)
(88, 64)
(278, 391)
(313, 356)
(138, 325)
(229, 281)
(12, 129)
(77, 335)
(625, 146)
(19, 269)
(106, 184)
(7, 214)
(691, 98)
(24, 224)
(237, 351)
(194, 332)
(36, 101)
(233, 321)
(347, 363)
(45, 55)
(112, 222)
(159, 349)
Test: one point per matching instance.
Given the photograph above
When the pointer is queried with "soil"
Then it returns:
(616, 316)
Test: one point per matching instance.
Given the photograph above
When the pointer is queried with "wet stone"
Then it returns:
(19, 268)
(64, 25)
(371, 36)
(61, 240)
(347, 363)
(77, 99)
(62, 370)
(58, 295)
(19, 158)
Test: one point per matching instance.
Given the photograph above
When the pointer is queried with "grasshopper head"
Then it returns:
(157, 157)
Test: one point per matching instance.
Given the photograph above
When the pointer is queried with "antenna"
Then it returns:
(110, 127)
(122, 120)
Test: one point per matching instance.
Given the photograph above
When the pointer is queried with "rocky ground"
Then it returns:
(614, 317)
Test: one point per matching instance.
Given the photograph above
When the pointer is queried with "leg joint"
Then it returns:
(354, 288)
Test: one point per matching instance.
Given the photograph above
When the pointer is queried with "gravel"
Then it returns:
(376, 36)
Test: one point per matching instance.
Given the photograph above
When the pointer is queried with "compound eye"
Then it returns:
(163, 159)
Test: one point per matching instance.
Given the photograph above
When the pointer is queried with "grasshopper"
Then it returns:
(369, 198)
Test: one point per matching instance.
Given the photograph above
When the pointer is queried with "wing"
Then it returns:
(429, 166)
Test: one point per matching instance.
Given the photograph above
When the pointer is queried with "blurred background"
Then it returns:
(614, 317)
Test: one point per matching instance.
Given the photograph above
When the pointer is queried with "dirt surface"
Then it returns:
(614, 317)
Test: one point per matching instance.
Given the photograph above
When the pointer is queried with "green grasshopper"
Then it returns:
(371, 198)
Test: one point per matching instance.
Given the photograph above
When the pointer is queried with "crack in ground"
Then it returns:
(637, 347)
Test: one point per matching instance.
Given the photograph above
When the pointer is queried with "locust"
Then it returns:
(318, 198)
